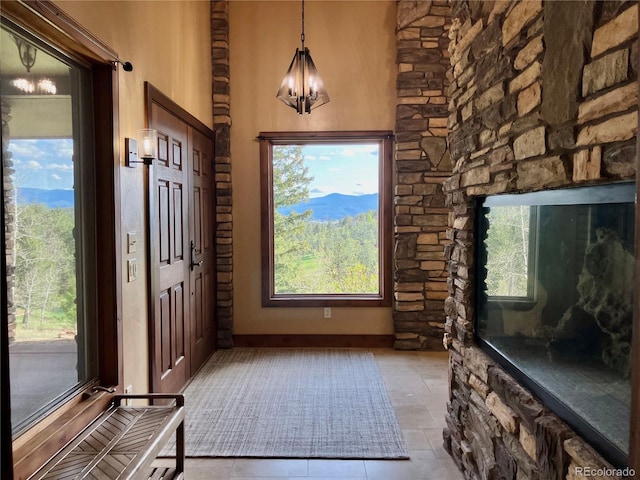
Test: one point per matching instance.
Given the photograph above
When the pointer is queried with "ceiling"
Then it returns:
(45, 64)
(34, 115)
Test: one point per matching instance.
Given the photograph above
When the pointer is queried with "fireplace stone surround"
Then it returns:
(542, 95)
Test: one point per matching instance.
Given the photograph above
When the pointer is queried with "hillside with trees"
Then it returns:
(45, 270)
(318, 257)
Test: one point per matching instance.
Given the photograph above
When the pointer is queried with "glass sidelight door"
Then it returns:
(49, 216)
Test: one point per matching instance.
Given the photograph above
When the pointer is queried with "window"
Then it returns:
(61, 280)
(326, 221)
(511, 246)
(570, 343)
(51, 227)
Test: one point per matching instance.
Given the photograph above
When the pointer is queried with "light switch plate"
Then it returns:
(132, 242)
(132, 270)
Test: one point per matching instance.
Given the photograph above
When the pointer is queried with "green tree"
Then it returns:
(318, 257)
(45, 263)
(291, 181)
(343, 256)
(350, 254)
(507, 246)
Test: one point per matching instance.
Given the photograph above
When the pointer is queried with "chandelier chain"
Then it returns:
(302, 35)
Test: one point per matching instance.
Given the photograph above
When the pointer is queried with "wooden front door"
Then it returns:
(170, 254)
(201, 245)
(181, 207)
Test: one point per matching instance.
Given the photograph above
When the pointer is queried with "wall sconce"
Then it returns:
(142, 150)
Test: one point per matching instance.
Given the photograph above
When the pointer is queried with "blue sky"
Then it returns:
(342, 168)
(43, 163)
(349, 169)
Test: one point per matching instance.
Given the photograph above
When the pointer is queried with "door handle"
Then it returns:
(192, 260)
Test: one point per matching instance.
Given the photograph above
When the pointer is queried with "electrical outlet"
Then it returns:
(327, 312)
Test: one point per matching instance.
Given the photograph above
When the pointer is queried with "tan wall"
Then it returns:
(353, 47)
(168, 43)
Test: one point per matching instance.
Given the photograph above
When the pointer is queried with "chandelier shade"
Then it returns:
(302, 87)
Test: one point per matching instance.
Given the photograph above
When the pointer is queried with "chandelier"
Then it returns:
(302, 87)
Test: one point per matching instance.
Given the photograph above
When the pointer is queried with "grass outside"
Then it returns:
(312, 278)
(49, 328)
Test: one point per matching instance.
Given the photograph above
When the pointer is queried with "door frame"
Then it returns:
(155, 96)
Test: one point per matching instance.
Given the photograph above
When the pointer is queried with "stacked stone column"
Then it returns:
(422, 163)
(222, 126)
(9, 221)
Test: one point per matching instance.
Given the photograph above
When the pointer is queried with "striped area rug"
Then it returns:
(291, 403)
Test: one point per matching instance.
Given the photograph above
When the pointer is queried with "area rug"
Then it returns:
(291, 403)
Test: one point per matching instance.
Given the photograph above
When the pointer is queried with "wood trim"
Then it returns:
(266, 219)
(384, 298)
(6, 454)
(311, 341)
(35, 447)
(63, 32)
(634, 427)
(330, 136)
(386, 225)
(107, 171)
(329, 300)
(153, 95)
(152, 274)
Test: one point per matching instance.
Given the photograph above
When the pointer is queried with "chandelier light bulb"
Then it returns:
(47, 86)
(24, 85)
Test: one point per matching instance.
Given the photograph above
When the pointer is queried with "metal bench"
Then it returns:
(123, 442)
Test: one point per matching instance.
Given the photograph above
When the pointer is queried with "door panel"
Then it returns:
(169, 350)
(165, 316)
(178, 226)
(178, 350)
(164, 214)
(201, 227)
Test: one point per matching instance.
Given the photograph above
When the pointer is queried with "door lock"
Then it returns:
(192, 259)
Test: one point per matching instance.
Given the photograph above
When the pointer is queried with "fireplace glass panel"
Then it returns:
(555, 286)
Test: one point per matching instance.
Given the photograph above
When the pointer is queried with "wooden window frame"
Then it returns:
(384, 297)
(31, 448)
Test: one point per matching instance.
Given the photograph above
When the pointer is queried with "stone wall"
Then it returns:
(8, 203)
(543, 94)
(222, 126)
(422, 163)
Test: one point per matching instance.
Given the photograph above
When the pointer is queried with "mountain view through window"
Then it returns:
(326, 206)
(326, 224)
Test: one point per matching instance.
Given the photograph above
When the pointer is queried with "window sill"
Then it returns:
(292, 301)
(35, 446)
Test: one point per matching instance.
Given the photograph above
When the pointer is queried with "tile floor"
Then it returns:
(417, 386)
